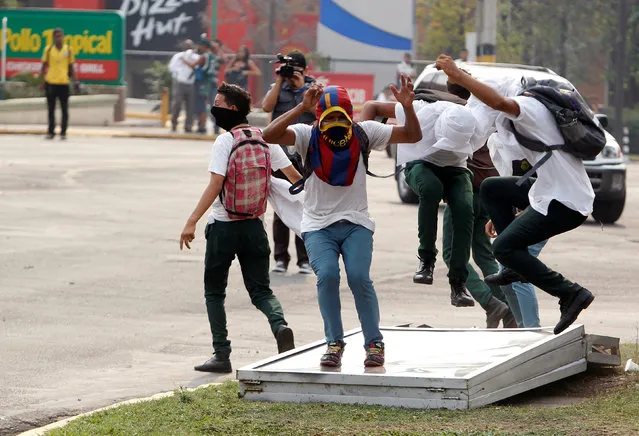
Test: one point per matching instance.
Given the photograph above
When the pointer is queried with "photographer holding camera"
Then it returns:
(285, 94)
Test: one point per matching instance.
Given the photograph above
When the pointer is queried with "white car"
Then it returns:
(607, 172)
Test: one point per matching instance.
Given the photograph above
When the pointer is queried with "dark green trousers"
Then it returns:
(482, 252)
(247, 240)
(432, 183)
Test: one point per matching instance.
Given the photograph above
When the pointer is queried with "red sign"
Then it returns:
(85, 69)
(359, 86)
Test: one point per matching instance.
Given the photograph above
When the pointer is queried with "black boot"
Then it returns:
(495, 311)
(570, 308)
(218, 363)
(504, 277)
(459, 295)
(285, 339)
(424, 275)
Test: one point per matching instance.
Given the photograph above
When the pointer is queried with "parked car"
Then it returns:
(607, 172)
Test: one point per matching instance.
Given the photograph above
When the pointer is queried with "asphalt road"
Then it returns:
(97, 303)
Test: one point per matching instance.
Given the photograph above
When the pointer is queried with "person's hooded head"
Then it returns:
(334, 150)
(335, 116)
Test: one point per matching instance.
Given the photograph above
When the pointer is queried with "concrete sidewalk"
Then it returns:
(120, 131)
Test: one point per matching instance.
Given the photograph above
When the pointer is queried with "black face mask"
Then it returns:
(227, 118)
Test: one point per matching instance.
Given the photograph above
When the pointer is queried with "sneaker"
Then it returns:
(285, 339)
(218, 363)
(63, 137)
(280, 267)
(424, 274)
(305, 268)
(333, 355)
(374, 354)
(570, 308)
(49, 136)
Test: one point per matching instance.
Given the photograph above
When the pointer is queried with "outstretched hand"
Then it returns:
(448, 66)
(312, 97)
(405, 95)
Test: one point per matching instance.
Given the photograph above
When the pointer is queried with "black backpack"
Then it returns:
(583, 136)
(307, 168)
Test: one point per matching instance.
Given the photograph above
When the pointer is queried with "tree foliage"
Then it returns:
(443, 25)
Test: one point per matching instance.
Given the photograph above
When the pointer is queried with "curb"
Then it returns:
(113, 134)
(58, 424)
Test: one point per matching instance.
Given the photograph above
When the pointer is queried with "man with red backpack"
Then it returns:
(237, 194)
(335, 219)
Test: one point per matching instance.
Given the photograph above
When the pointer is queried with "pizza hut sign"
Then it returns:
(160, 24)
(359, 86)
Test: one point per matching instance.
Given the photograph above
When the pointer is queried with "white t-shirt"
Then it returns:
(325, 204)
(220, 153)
(181, 71)
(563, 177)
(446, 132)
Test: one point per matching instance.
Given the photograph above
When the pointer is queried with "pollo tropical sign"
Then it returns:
(96, 39)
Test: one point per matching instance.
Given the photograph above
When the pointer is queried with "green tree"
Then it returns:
(9, 3)
(443, 25)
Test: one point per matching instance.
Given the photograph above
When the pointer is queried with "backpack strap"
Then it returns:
(533, 145)
(364, 143)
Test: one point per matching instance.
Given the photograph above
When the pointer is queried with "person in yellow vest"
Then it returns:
(57, 64)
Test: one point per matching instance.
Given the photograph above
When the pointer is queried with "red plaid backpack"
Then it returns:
(247, 184)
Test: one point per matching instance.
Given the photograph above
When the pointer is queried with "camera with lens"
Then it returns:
(288, 66)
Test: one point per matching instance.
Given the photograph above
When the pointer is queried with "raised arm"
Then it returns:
(270, 100)
(253, 69)
(410, 132)
(483, 92)
(374, 109)
(277, 132)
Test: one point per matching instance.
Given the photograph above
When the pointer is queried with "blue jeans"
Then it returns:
(522, 299)
(355, 244)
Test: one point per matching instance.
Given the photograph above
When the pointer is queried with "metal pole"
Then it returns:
(213, 19)
(4, 49)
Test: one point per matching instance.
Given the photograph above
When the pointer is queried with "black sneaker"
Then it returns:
(63, 137)
(219, 363)
(424, 274)
(459, 296)
(504, 277)
(333, 355)
(285, 339)
(571, 307)
(49, 136)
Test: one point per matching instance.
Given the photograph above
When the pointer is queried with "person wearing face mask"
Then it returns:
(234, 232)
(335, 219)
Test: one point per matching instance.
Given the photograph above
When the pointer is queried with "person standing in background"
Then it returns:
(58, 72)
(218, 61)
(406, 67)
(284, 95)
(240, 67)
(181, 68)
(203, 70)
